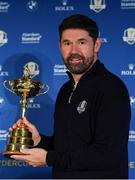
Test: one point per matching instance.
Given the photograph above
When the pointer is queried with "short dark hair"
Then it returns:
(79, 21)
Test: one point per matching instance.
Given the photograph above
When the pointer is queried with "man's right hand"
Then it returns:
(35, 134)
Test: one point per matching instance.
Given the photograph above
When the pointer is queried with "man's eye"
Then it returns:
(82, 42)
(66, 43)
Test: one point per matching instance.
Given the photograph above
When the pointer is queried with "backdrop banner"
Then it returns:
(29, 37)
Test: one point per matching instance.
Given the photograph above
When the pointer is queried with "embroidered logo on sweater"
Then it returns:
(82, 106)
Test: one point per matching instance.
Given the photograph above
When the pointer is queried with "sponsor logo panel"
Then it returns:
(127, 4)
(64, 6)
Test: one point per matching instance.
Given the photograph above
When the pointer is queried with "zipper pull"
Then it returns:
(74, 88)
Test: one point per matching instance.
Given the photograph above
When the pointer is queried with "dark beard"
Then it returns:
(80, 68)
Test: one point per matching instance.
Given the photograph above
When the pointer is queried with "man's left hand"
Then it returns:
(34, 157)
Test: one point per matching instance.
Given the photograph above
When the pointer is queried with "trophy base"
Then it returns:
(10, 153)
(20, 138)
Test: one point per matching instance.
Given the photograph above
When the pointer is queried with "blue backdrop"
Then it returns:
(29, 36)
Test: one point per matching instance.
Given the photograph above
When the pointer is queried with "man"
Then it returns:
(92, 113)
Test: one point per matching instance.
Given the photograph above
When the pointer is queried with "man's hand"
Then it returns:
(34, 157)
(35, 134)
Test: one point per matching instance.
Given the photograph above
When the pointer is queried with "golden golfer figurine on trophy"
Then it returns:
(21, 137)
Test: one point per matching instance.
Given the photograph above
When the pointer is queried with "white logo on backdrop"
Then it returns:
(60, 70)
(31, 38)
(131, 135)
(97, 5)
(32, 5)
(4, 6)
(3, 135)
(33, 68)
(129, 36)
(64, 6)
(64, 2)
(3, 73)
(3, 38)
(130, 71)
(131, 66)
(32, 105)
(103, 39)
(128, 4)
(12, 163)
(131, 164)
(132, 101)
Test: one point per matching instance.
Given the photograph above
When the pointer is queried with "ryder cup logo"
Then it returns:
(97, 5)
(82, 106)
(129, 36)
(33, 68)
(3, 38)
(32, 5)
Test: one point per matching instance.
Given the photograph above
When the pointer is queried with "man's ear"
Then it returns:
(97, 45)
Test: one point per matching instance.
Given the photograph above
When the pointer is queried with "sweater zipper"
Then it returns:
(71, 94)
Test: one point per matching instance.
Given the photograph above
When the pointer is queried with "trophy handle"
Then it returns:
(4, 84)
(44, 86)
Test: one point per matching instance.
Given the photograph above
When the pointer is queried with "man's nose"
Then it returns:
(74, 48)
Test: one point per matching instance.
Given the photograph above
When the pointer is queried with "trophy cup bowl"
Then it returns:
(25, 87)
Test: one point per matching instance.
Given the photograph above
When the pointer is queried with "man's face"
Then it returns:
(78, 50)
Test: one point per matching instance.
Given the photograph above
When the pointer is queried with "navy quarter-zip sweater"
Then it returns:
(91, 128)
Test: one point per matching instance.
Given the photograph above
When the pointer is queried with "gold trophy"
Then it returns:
(21, 137)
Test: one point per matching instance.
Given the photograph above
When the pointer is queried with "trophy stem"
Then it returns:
(24, 101)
